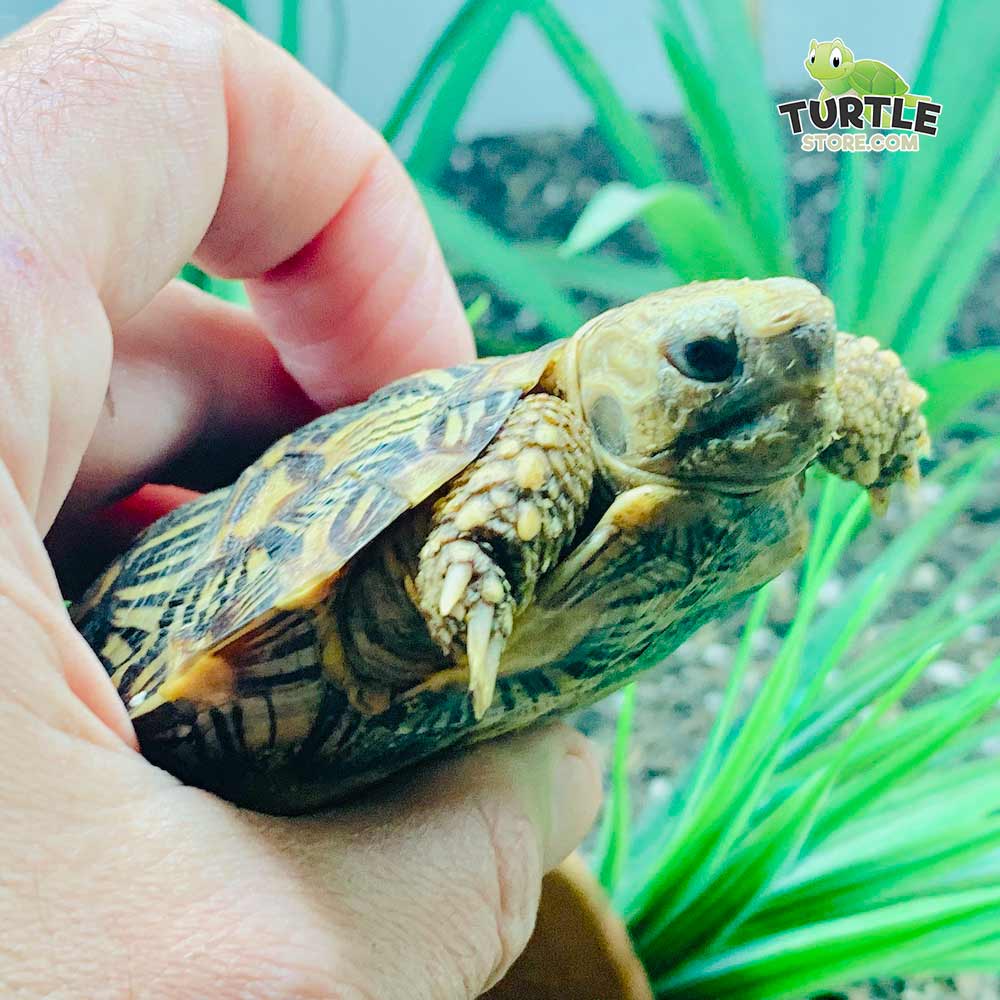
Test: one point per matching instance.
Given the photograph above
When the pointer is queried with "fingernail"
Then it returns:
(576, 797)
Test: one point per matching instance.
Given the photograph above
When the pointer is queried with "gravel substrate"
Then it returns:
(534, 187)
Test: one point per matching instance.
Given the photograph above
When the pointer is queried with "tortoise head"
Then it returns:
(723, 384)
(829, 60)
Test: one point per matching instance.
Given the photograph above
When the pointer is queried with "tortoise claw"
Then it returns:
(878, 496)
(483, 649)
(459, 577)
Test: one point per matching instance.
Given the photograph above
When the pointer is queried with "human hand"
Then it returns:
(134, 136)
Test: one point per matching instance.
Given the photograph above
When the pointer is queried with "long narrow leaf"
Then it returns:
(615, 849)
(694, 240)
(845, 254)
(903, 273)
(628, 140)
(689, 227)
(487, 253)
(473, 52)
(742, 154)
(934, 310)
(958, 382)
(440, 52)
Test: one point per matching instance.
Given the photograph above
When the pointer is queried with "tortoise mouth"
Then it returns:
(749, 420)
(752, 447)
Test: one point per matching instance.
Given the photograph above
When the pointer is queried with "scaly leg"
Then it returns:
(497, 530)
(882, 433)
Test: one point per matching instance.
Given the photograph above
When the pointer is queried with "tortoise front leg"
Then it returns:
(882, 434)
(502, 524)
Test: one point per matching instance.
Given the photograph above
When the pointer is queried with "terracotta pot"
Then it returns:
(580, 949)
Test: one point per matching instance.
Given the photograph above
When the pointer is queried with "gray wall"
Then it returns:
(382, 41)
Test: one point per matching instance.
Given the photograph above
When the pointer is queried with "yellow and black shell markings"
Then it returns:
(280, 537)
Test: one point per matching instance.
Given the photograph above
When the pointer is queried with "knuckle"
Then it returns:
(87, 53)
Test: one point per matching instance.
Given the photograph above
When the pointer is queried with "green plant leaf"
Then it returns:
(680, 227)
(692, 234)
(845, 258)
(933, 311)
(614, 849)
(732, 116)
(486, 253)
(957, 383)
(962, 57)
(227, 290)
(443, 49)
(194, 276)
(787, 865)
(796, 962)
(599, 274)
(914, 250)
(477, 309)
(238, 7)
(628, 140)
(473, 52)
(291, 26)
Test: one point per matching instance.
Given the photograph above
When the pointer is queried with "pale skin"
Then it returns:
(135, 136)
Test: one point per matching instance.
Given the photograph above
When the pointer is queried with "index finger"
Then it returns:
(135, 136)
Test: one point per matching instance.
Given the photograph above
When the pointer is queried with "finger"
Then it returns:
(441, 876)
(368, 300)
(139, 134)
(195, 393)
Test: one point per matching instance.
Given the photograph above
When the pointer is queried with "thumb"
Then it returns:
(434, 887)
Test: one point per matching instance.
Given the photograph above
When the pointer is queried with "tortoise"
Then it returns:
(476, 548)
(833, 66)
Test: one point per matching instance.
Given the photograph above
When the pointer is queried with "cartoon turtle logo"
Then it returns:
(833, 66)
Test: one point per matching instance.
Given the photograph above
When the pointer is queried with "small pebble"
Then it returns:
(763, 640)
(926, 577)
(947, 673)
(976, 634)
(461, 159)
(525, 320)
(660, 788)
(555, 194)
(964, 603)
(717, 655)
(831, 591)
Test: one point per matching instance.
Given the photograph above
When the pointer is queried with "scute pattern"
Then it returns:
(279, 537)
(331, 487)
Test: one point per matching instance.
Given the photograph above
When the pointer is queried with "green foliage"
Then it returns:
(930, 206)
(733, 118)
(809, 849)
(222, 288)
(471, 240)
(676, 212)
(902, 257)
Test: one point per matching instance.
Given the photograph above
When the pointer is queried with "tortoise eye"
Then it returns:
(812, 55)
(708, 359)
(835, 58)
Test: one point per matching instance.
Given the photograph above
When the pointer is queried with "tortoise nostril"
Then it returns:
(708, 359)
